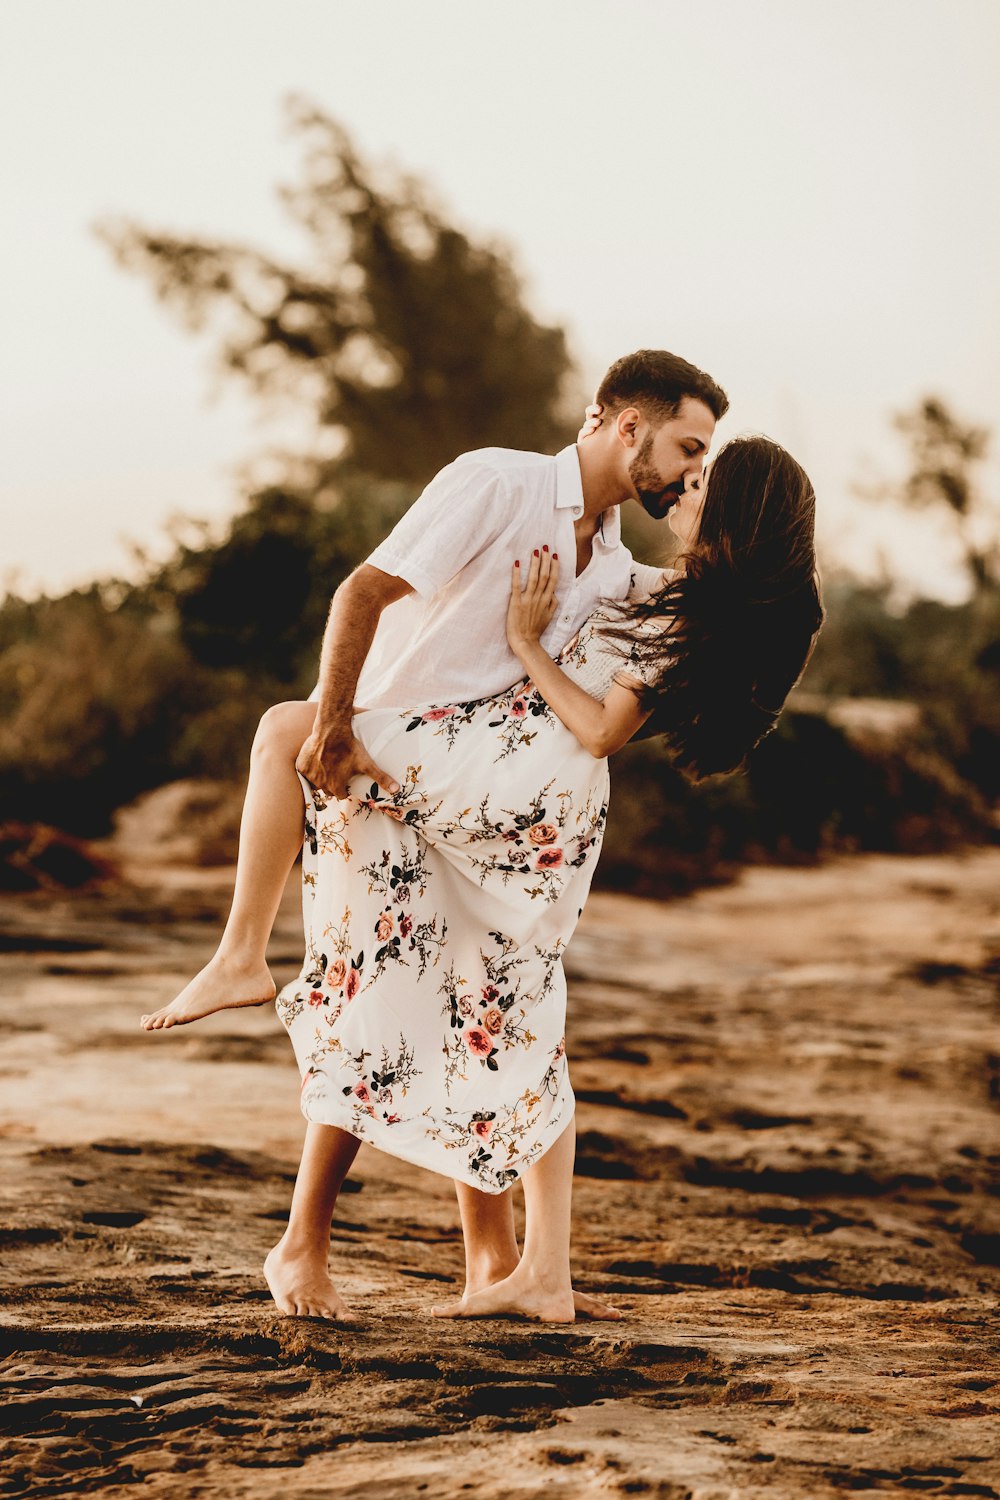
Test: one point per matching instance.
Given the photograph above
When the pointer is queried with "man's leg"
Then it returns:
(270, 837)
(296, 1269)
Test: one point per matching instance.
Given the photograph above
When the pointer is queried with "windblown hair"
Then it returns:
(657, 382)
(738, 626)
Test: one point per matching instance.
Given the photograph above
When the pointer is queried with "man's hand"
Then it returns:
(329, 760)
(532, 606)
(593, 414)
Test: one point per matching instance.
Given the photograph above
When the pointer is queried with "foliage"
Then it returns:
(407, 340)
(943, 458)
(944, 657)
(809, 791)
(257, 600)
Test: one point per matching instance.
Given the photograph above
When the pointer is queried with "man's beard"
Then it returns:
(656, 498)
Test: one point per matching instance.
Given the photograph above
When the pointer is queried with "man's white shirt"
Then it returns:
(446, 642)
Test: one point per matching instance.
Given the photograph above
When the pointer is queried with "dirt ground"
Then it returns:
(786, 1178)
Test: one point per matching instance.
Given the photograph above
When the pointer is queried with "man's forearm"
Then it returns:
(350, 630)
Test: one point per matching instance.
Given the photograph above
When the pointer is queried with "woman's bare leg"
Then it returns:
(270, 837)
(492, 1251)
(296, 1269)
(540, 1285)
(491, 1248)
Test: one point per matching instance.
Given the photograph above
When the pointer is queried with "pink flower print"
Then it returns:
(493, 1021)
(549, 859)
(560, 1049)
(383, 927)
(361, 1093)
(543, 833)
(433, 714)
(465, 1005)
(352, 985)
(336, 973)
(517, 709)
(391, 1119)
(478, 1042)
(490, 993)
(316, 998)
(482, 1128)
(405, 924)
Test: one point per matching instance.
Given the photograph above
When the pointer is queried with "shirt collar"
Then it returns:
(569, 496)
(569, 481)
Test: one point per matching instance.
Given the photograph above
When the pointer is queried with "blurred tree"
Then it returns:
(409, 341)
(944, 454)
(861, 646)
(257, 599)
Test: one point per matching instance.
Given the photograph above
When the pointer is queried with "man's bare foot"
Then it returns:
(223, 984)
(301, 1287)
(518, 1295)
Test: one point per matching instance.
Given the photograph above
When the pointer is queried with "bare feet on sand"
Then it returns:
(519, 1295)
(301, 1286)
(223, 984)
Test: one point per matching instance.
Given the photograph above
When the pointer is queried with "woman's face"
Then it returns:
(685, 515)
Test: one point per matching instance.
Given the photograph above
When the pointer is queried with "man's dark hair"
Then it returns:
(657, 382)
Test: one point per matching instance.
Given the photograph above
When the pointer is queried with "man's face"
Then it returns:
(671, 458)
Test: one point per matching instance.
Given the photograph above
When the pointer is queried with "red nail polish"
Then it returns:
(555, 557)
(517, 562)
(545, 549)
(536, 551)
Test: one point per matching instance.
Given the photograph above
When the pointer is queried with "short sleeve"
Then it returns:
(645, 580)
(463, 509)
(638, 665)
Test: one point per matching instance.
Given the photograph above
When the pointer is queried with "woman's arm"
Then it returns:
(601, 728)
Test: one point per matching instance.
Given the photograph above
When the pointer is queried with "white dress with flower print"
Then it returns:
(428, 1018)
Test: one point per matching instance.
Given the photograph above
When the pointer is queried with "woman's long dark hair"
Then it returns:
(738, 626)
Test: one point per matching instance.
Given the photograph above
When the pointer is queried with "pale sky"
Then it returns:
(801, 198)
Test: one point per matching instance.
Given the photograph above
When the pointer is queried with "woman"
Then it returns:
(428, 1016)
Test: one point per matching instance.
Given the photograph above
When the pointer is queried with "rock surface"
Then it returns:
(786, 1178)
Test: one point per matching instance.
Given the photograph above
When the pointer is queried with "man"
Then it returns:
(423, 622)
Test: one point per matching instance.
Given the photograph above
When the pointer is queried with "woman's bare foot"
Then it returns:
(301, 1286)
(518, 1295)
(591, 1307)
(585, 1306)
(223, 984)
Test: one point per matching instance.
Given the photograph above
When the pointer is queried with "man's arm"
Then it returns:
(463, 507)
(331, 755)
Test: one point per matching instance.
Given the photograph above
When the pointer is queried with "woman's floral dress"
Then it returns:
(428, 1018)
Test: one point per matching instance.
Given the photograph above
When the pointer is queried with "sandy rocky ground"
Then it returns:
(788, 1094)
